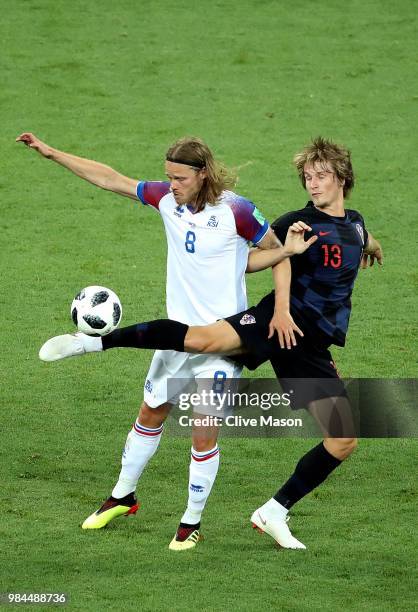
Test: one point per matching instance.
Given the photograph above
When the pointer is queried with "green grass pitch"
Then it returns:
(118, 82)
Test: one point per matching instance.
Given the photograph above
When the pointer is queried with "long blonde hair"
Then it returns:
(195, 153)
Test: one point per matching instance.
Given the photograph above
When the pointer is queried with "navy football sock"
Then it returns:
(162, 334)
(311, 470)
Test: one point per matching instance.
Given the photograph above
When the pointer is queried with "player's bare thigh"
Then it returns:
(219, 338)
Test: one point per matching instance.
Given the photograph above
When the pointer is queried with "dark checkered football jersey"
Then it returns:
(323, 276)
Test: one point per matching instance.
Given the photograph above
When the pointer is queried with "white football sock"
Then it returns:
(202, 474)
(141, 444)
(91, 344)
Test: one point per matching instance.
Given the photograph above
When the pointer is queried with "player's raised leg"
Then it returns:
(164, 334)
(141, 444)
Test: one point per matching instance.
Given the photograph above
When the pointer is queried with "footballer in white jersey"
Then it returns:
(207, 253)
(208, 229)
(206, 262)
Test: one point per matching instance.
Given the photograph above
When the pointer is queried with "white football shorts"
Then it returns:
(172, 375)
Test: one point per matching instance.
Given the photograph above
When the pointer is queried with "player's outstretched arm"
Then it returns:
(260, 259)
(372, 251)
(94, 172)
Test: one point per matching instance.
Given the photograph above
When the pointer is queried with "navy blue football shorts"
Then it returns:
(307, 370)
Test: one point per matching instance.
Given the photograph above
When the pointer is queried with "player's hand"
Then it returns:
(295, 239)
(31, 141)
(283, 323)
(372, 254)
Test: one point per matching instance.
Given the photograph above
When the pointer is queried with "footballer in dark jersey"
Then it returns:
(314, 296)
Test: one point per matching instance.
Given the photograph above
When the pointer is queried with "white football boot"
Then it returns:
(69, 345)
(272, 519)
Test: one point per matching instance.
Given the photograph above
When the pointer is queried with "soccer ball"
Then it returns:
(96, 311)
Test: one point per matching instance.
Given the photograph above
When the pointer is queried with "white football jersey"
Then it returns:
(207, 253)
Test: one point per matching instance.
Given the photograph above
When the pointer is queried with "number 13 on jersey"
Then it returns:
(332, 255)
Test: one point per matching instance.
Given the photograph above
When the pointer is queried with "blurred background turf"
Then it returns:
(256, 80)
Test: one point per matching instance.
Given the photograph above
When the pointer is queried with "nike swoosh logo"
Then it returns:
(324, 233)
(262, 520)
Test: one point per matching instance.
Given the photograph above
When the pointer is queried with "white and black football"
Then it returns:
(96, 310)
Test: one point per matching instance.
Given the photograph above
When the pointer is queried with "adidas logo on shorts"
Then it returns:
(247, 319)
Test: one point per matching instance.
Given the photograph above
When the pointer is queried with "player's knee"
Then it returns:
(203, 443)
(201, 446)
(343, 447)
(152, 417)
(198, 340)
(351, 445)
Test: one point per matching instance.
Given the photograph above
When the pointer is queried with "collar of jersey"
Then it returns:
(189, 207)
(344, 219)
